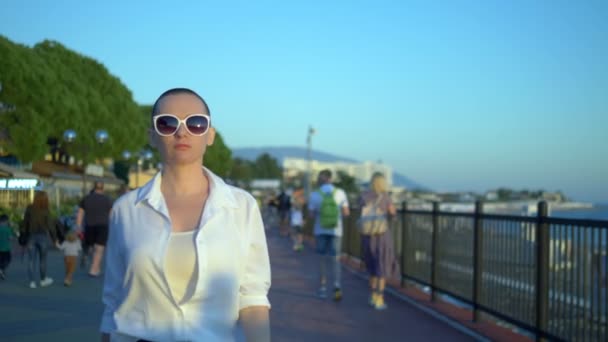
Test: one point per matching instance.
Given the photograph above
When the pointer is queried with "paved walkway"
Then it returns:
(57, 313)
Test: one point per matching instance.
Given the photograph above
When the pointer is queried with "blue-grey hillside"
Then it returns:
(280, 153)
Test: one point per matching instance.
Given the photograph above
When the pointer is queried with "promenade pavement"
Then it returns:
(57, 313)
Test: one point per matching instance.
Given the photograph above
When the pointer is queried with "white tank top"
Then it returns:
(181, 270)
(181, 266)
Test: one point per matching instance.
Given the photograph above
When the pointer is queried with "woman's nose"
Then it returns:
(181, 130)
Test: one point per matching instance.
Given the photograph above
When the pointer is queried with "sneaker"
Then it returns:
(372, 300)
(337, 294)
(380, 304)
(32, 285)
(322, 292)
(46, 282)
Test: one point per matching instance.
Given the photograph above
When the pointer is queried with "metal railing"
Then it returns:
(545, 275)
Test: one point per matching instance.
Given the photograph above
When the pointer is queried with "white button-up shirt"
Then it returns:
(232, 260)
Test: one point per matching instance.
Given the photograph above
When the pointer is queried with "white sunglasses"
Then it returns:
(168, 124)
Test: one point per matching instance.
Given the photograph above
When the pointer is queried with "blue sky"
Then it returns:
(457, 95)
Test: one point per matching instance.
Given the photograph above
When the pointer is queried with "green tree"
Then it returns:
(121, 170)
(504, 194)
(347, 183)
(265, 166)
(218, 157)
(57, 88)
(242, 170)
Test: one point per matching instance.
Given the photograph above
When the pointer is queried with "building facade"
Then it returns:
(362, 172)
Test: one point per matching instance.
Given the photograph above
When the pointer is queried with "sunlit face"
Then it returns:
(379, 184)
(181, 148)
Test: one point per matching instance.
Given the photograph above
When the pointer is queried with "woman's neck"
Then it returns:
(184, 180)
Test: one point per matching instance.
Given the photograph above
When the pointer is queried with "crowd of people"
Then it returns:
(40, 231)
(326, 208)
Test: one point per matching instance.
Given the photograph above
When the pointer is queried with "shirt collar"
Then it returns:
(220, 194)
(327, 187)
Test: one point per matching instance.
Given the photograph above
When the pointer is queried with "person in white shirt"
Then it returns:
(297, 224)
(187, 258)
(326, 207)
(70, 247)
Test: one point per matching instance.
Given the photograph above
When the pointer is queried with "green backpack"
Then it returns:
(329, 211)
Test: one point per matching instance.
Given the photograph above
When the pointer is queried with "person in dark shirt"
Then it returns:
(283, 202)
(94, 212)
(39, 233)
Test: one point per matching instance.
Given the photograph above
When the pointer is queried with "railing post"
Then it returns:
(477, 260)
(403, 242)
(542, 268)
(346, 232)
(434, 250)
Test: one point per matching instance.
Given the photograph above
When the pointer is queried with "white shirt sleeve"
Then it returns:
(114, 273)
(254, 287)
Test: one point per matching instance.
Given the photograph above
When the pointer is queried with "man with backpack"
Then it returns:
(326, 207)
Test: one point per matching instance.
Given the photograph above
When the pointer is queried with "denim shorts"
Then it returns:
(328, 244)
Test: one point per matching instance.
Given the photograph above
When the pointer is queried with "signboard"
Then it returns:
(94, 170)
(18, 184)
(265, 184)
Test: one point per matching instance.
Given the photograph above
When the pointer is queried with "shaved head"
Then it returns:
(178, 91)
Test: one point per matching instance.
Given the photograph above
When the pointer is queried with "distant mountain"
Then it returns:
(280, 153)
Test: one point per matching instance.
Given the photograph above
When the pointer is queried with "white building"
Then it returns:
(362, 172)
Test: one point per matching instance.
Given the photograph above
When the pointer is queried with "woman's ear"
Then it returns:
(210, 136)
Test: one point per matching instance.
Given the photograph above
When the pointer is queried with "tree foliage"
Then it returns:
(347, 183)
(54, 89)
(242, 170)
(266, 166)
(218, 157)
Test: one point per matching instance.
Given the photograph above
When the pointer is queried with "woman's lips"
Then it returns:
(182, 146)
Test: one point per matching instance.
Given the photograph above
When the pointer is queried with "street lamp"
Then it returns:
(141, 157)
(311, 132)
(69, 136)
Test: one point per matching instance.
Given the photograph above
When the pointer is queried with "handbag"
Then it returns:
(373, 219)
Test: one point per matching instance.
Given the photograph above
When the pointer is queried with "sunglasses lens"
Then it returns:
(166, 125)
(197, 125)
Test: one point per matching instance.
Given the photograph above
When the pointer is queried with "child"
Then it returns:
(6, 233)
(71, 247)
(297, 222)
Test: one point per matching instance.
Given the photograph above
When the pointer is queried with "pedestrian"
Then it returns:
(376, 209)
(39, 235)
(70, 247)
(6, 236)
(326, 207)
(283, 202)
(94, 211)
(297, 224)
(187, 258)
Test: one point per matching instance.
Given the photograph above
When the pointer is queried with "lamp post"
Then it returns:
(141, 157)
(69, 136)
(311, 132)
